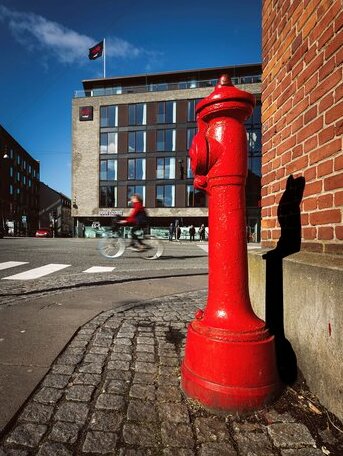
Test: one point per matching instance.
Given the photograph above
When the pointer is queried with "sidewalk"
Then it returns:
(115, 390)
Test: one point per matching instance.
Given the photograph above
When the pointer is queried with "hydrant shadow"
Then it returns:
(288, 213)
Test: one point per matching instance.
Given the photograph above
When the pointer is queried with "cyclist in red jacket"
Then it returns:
(139, 220)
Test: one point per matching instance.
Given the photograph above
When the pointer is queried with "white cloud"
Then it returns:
(37, 34)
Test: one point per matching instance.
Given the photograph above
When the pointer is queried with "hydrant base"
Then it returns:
(227, 399)
(230, 376)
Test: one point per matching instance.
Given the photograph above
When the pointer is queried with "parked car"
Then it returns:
(43, 232)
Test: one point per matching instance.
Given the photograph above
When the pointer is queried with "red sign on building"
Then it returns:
(86, 113)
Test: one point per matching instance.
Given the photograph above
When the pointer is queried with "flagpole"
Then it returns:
(104, 59)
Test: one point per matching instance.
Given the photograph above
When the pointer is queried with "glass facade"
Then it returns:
(136, 141)
(137, 114)
(191, 116)
(166, 112)
(189, 169)
(108, 196)
(190, 135)
(195, 197)
(136, 169)
(165, 195)
(165, 140)
(109, 116)
(136, 189)
(165, 168)
(254, 139)
(108, 170)
(108, 143)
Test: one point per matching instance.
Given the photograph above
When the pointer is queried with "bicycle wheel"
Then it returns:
(154, 248)
(111, 247)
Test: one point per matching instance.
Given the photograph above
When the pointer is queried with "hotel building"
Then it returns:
(131, 134)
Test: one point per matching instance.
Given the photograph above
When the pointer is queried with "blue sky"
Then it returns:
(44, 58)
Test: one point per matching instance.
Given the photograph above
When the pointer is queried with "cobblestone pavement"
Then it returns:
(115, 390)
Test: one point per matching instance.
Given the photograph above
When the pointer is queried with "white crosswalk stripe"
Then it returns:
(37, 272)
(11, 264)
(203, 246)
(99, 269)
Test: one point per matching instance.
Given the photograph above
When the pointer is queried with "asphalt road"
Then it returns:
(73, 257)
(38, 316)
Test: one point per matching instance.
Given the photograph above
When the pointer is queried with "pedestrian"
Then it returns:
(171, 231)
(191, 233)
(178, 232)
(176, 225)
(202, 232)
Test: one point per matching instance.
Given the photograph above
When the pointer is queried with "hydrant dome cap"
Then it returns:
(225, 91)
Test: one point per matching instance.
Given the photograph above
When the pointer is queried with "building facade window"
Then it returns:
(190, 135)
(108, 196)
(109, 116)
(108, 143)
(189, 169)
(166, 140)
(108, 170)
(136, 169)
(165, 168)
(191, 115)
(137, 114)
(254, 140)
(137, 141)
(165, 195)
(136, 189)
(166, 112)
(195, 197)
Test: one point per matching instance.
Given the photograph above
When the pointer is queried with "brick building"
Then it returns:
(297, 285)
(302, 110)
(19, 187)
(55, 211)
(132, 134)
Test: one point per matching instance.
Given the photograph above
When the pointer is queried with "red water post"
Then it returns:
(229, 361)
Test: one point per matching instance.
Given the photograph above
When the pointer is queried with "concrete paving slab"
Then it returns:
(22, 381)
(34, 331)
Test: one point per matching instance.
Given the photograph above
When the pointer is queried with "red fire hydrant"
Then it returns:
(229, 361)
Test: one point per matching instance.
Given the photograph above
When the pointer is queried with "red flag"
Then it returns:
(96, 51)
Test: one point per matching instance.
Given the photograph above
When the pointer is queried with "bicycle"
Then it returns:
(113, 244)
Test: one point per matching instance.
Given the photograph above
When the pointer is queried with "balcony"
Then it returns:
(182, 85)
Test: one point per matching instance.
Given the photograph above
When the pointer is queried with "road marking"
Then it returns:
(99, 269)
(11, 264)
(203, 246)
(37, 272)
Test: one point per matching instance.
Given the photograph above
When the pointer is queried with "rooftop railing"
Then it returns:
(193, 84)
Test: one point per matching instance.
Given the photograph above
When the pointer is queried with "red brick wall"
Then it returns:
(302, 112)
